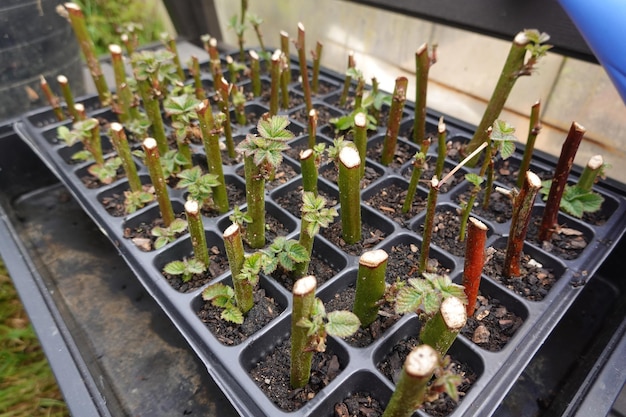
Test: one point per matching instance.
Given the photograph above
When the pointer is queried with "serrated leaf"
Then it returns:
(342, 323)
(83, 155)
(232, 314)
(474, 178)
(432, 301)
(217, 290)
(408, 300)
(160, 242)
(507, 149)
(175, 268)
(178, 225)
(195, 266)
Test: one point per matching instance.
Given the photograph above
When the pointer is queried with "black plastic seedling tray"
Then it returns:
(498, 372)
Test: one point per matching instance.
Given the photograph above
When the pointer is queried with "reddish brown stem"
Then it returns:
(561, 172)
(52, 98)
(522, 209)
(474, 261)
(393, 125)
(304, 71)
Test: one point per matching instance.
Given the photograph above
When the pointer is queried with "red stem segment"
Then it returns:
(474, 261)
(395, 115)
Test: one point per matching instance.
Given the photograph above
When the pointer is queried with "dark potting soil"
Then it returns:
(403, 154)
(428, 173)
(271, 374)
(358, 404)
(236, 197)
(322, 89)
(92, 182)
(507, 170)
(218, 264)
(403, 263)
(265, 309)
(284, 173)
(331, 173)
(318, 267)
(323, 115)
(492, 325)
(566, 242)
(535, 279)
(292, 201)
(389, 201)
(387, 317)
(141, 235)
(500, 207)
(446, 232)
(294, 99)
(392, 364)
(114, 203)
(370, 237)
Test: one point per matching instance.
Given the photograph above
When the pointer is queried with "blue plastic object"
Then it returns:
(603, 26)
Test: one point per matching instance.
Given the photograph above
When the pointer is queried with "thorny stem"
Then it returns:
(317, 57)
(423, 63)
(211, 141)
(561, 172)
(120, 142)
(196, 231)
(349, 194)
(428, 224)
(418, 168)
(66, 91)
(224, 94)
(308, 165)
(255, 187)
(490, 160)
(77, 20)
(52, 99)
(275, 85)
(441, 330)
(238, 99)
(590, 173)
(233, 244)
(393, 125)
(312, 128)
(153, 110)
(441, 147)
(360, 138)
(370, 285)
(347, 81)
(158, 180)
(284, 46)
(255, 73)
(197, 81)
(474, 261)
(304, 71)
(412, 385)
(533, 132)
(522, 210)
(128, 110)
(301, 357)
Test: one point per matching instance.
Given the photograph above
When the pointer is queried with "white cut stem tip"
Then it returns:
(421, 362)
(192, 207)
(62, 79)
(115, 49)
(595, 162)
(349, 157)
(453, 312)
(231, 231)
(116, 127)
(533, 180)
(306, 154)
(360, 120)
(477, 223)
(149, 143)
(254, 55)
(373, 258)
(304, 285)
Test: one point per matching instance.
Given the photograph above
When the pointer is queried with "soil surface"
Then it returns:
(283, 174)
(318, 267)
(500, 207)
(265, 309)
(446, 231)
(389, 201)
(142, 236)
(358, 404)
(331, 173)
(292, 201)
(370, 237)
(217, 266)
(566, 242)
(404, 153)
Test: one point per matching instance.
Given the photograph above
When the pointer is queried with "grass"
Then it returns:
(27, 385)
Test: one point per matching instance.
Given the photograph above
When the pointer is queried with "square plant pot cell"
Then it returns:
(113, 198)
(296, 98)
(236, 191)
(269, 303)
(404, 151)
(362, 393)
(324, 114)
(373, 171)
(67, 152)
(570, 239)
(51, 135)
(406, 126)
(287, 171)
(182, 250)
(46, 117)
(446, 226)
(404, 255)
(252, 113)
(295, 127)
(280, 222)
(267, 362)
(91, 181)
(507, 171)
(138, 226)
(428, 173)
(498, 316)
(388, 196)
(326, 85)
(390, 355)
(289, 196)
(374, 229)
(499, 210)
(539, 271)
(302, 143)
(340, 294)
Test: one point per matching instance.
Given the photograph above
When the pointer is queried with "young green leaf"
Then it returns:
(342, 323)
(474, 179)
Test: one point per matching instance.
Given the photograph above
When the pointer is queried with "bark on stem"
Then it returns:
(255, 73)
(303, 301)
(304, 71)
(422, 65)
(223, 93)
(533, 131)
(418, 168)
(153, 110)
(413, 382)
(393, 125)
(522, 210)
(561, 172)
(360, 138)
(441, 147)
(255, 188)
(66, 92)
(52, 99)
(370, 285)
(309, 171)
(196, 231)
(158, 180)
(284, 46)
(441, 330)
(343, 98)
(474, 262)
(317, 58)
(197, 81)
(312, 128)
(233, 244)
(120, 142)
(275, 84)
(349, 194)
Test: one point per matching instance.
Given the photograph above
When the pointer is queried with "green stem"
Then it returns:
(343, 98)
(312, 128)
(428, 224)
(232, 72)
(412, 385)
(317, 58)
(360, 138)
(304, 71)
(129, 43)
(233, 243)
(442, 150)
(223, 94)
(358, 93)
(474, 262)
(66, 91)
(475, 189)
(301, 357)
(197, 81)
(284, 46)
(255, 73)
(416, 175)
(211, 142)
(395, 115)
(370, 285)
(275, 85)
(94, 143)
(52, 99)
(308, 165)
(77, 20)
(215, 63)
(533, 132)
(441, 330)
(349, 194)
(307, 241)
(422, 65)
(153, 162)
(522, 211)
(196, 231)
(590, 173)
(153, 110)
(284, 82)
(255, 188)
(120, 142)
